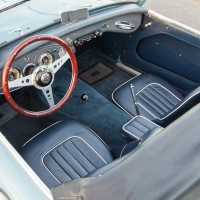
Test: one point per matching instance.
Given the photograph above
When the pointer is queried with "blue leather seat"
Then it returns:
(157, 100)
(65, 151)
(69, 150)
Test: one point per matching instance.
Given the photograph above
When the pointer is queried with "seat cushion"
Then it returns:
(155, 96)
(65, 151)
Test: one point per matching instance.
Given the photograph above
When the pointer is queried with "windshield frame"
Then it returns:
(11, 4)
(58, 20)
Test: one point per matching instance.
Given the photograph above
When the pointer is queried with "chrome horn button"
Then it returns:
(43, 77)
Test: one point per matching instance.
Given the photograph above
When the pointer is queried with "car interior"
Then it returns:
(123, 77)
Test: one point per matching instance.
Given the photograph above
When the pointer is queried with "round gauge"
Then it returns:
(28, 69)
(45, 58)
(14, 74)
(61, 52)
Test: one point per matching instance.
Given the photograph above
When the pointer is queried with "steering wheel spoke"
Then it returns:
(55, 66)
(47, 91)
(21, 82)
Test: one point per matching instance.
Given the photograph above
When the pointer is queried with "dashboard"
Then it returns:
(124, 20)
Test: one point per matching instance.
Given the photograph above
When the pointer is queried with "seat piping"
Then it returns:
(118, 88)
(138, 116)
(40, 133)
(161, 87)
(178, 106)
(62, 143)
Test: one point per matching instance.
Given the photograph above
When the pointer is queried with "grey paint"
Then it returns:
(17, 180)
(39, 13)
(183, 11)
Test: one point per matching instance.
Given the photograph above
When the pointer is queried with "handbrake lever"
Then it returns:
(134, 99)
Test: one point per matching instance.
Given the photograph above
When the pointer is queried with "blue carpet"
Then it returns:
(98, 113)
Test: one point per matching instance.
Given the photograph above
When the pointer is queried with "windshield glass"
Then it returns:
(34, 14)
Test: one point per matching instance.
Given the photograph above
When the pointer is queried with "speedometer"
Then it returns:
(28, 69)
(45, 58)
(14, 74)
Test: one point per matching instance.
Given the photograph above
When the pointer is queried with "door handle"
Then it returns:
(125, 25)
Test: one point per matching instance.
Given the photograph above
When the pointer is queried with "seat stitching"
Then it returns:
(160, 86)
(181, 104)
(160, 99)
(140, 116)
(60, 166)
(67, 162)
(150, 105)
(142, 124)
(136, 128)
(50, 172)
(164, 96)
(153, 102)
(137, 122)
(75, 158)
(60, 144)
(135, 118)
(148, 111)
(92, 149)
(83, 154)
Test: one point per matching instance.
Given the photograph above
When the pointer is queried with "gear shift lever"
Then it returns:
(134, 99)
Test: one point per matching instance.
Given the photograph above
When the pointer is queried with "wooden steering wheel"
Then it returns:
(42, 77)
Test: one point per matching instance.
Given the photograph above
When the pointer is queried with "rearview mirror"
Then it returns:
(75, 15)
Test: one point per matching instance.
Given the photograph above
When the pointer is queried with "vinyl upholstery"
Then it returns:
(139, 128)
(155, 96)
(66, 151)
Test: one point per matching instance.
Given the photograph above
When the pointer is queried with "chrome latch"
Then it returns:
(125, 25)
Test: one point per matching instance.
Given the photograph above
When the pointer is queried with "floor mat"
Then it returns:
(109, 83)
(98, 72)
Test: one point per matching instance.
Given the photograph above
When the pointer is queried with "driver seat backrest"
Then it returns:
(157, 99)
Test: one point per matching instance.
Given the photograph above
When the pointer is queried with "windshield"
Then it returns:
(31, 15)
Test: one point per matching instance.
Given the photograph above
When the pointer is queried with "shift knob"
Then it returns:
(84, 97)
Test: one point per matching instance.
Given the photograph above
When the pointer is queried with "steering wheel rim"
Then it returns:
(10, 60)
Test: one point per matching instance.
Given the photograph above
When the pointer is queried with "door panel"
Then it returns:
(161, 48)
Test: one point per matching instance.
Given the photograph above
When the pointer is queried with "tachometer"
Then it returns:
(45, 58)
(14, 74)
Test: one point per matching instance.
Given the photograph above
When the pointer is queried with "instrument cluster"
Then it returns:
(25, 65)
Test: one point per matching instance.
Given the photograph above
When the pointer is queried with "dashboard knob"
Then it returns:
(97, 33)
(69, 41)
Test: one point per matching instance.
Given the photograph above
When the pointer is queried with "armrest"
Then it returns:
(139, 128)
